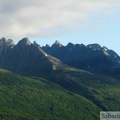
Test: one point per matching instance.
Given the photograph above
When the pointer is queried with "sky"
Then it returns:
(76, 21)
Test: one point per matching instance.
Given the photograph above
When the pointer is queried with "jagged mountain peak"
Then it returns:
(36, 44)
(3, 41)
(105, 48)
(80, 45)
(70, 44)
(10, 42)
(24, 41)
(47, 45)
(57, 44)
(95, 46)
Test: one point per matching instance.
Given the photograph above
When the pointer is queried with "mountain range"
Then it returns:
(92, 57)
(90, 72)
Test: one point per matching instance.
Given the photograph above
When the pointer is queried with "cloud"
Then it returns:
(42, 18)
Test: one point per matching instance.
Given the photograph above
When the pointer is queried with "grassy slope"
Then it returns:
(23, 98)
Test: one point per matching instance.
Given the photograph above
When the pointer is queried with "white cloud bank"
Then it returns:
(50, 17)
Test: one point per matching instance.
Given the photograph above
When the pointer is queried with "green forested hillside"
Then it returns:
(103, 91)
(24, 98)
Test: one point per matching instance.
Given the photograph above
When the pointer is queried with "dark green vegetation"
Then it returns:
(103, 91)
(24, 98)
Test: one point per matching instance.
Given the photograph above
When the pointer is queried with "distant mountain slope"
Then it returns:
(24, 98)
(92, 57)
